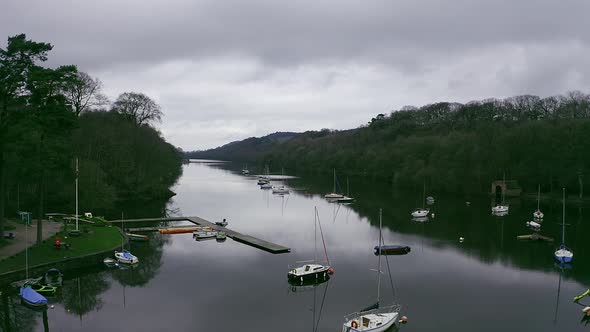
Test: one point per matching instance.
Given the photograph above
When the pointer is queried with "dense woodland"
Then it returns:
(452, 147)
(51, 117)
(459, 147)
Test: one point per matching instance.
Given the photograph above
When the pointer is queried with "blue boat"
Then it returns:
(31, 298)
(563, 254)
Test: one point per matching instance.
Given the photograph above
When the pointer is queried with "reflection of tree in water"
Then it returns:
(150, 260)
(81, 294)
(16, 317)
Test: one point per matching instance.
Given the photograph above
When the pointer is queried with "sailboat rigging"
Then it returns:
(538, 215)
(563, 254)
(423, 211)
(374, 318)
(312, 272)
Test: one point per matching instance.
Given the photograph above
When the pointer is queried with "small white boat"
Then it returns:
(429, 200)
(538, 214)
(110, 262)
(126, 257)
(374, 318)
(420, 212)
(499, 208)
(280, 190)
(333, 195)
(204, 235)
(220, 236)
(345, 199)
(534, 225)
(266, 186)
(563, 254)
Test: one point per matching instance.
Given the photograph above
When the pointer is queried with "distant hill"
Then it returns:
(248, 150)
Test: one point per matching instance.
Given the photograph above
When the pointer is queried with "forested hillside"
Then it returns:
(249, 150)
(458, 147)
(51, 117)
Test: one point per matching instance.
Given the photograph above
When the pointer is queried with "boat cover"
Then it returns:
(128, 255)
(31, 296)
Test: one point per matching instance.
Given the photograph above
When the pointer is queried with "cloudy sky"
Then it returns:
(224, 70)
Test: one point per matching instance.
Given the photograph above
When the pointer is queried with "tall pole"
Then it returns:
(379, 259)
(76, 194)
(315, 234)
(26, 252)
(563, 222)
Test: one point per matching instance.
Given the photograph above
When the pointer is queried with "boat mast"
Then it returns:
(504, 189)
(424, 195)
(379, 259)
(334, 191)
(315, 234)
(538, 196)
(563, 221)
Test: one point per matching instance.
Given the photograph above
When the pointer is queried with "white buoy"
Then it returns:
(461, 239)
(52, 306)
(403, 320)
(432, 215)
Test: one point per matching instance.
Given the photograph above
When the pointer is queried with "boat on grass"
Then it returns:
(126, 257)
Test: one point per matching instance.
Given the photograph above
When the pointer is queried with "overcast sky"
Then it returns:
(225, 70)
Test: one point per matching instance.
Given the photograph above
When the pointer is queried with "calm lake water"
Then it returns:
(490, 282)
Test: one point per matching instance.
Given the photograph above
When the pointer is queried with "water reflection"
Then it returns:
(179, 281)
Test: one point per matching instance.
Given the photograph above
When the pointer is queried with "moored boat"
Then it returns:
(204, 235)
(220, 236)
(391, 250)
(222, 223)
(126, 257)
(563, 254)
(280, 190)
(31, 298)
(137, 237)
(53, 277)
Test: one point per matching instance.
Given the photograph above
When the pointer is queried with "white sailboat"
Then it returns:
(333, 195)
(501, 209)
(423, 211)
(374, 318)
(563, 254)
(312, 272)
(124, 256)
(347, 198)
(538, 215)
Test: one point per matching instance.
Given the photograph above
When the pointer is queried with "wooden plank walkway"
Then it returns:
(239, 237)
(157, 228)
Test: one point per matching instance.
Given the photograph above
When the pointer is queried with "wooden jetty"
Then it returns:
(239, 237)
(534, 236)
(157, 228)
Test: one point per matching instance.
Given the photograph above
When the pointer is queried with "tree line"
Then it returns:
(457, 147)
(49, 117)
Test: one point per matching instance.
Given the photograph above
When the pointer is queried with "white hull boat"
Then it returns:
(280, 190)
(374, 318)
(538, 215)
(203, 235)
(420, 213)
(126, 257)
(500, 209)
(377, 320)
(266, 186)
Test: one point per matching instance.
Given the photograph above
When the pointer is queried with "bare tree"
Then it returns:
(138, 107)
(84, 93)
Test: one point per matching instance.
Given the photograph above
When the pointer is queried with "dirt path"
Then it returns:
(19, 244)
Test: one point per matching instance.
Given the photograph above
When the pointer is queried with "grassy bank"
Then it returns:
(98, 239)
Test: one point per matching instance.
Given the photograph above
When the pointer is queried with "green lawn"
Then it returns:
(97, 240)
